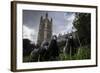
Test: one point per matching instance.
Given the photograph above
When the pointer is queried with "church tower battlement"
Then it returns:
(45, 29)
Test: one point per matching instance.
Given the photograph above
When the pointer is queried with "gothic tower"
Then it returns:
(45, 29)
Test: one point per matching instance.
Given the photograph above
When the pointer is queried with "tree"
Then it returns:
(82, 23)
(27, 47)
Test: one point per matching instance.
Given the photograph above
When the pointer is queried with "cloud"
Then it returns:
(29, 34)
(62, 22)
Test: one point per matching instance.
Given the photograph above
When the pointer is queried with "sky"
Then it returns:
(62, 22)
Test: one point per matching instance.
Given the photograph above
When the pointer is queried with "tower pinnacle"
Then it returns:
(45, 29)
(46, 15)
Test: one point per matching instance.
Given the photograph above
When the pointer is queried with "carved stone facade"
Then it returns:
(45, 29)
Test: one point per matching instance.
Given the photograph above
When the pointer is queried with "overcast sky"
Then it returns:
(62, 22)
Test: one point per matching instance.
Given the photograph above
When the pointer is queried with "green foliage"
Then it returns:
(83, 53)
(82, 23)
(66, 57)
(26, 58)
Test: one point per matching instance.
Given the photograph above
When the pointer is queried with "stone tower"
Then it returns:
(45, 29)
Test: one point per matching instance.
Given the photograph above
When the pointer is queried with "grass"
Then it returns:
(83, 53)
(26, 58)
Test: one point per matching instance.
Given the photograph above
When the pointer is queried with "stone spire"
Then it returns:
(46, 16)
(51, 20)
(45, 29)
(41, 19)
